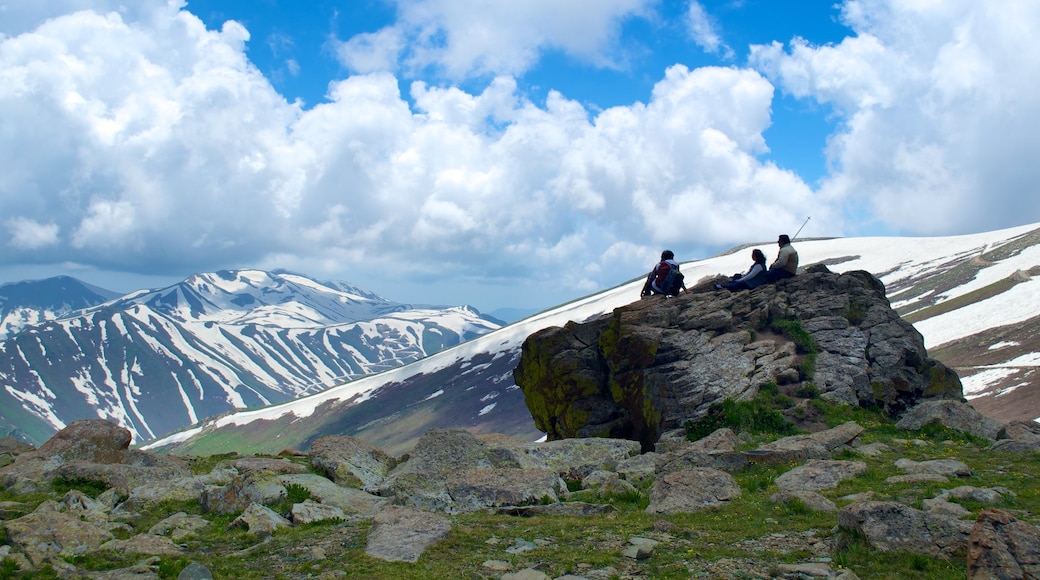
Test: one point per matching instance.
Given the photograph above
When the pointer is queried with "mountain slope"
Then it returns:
(156, 361)
(24, 304)
(956, 290)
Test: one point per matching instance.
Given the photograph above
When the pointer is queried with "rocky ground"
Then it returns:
(841, 502)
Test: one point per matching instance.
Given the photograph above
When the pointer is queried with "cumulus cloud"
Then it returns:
(163, 160)
(936, 102)
(147, 143)
(484, 37)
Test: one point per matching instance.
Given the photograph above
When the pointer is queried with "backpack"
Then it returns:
(669, 279)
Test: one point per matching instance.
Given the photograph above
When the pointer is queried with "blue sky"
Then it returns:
(499, 154)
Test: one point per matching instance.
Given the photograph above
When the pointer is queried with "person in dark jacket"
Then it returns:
(658, 275)
(755, 276)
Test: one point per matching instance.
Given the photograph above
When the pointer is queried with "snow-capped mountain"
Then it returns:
(975, 299)
(158, 360)
(28, 303)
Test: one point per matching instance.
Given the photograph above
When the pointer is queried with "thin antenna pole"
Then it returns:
(800, 229)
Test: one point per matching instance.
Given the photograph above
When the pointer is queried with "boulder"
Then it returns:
(816, 474)
(953, 414)
(690, 490)
(260, 520)
(1001, 546)
(350, 461)
(402, 534)
(892, 526)
(650, 366)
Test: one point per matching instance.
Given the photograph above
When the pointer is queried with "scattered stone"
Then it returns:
(520, 546)
(810, 499)
(350, 461)
(917, 478)
(1001, 546)
(525, 574)
(639, 548)
(953, 414)
(891, 526)
(195, 571)
(179, 526)
(497, 565)
(310, 511)
(402, 534)
(150, 544)
(944, 467)
(616, 487)
(691, 489)
(819, 474)
(260, 520)
(638, 469)
(873, 449)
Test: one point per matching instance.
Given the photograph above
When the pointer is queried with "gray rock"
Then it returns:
(617, 487)
(648, 367)
(873, 449)
(639, 468)
(260, 520)
(815, 475)
(402, 534)
(889, 526)
(353, 502)
(917, 478)
(350, 461)
(953, 414)
(195, 571)
(691, 489)
(525, 574)
(570, 508)
(573, 459)
(810, 499)
(309, 511)
(976, 494)
(477, 489)
(639, 548)
(48, 532)
(1001, 546)
(150, 544)
(179, 526)
(944, 467)
(946, 507)
(719, 440)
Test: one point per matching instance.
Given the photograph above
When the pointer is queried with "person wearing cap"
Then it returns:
(786, 263)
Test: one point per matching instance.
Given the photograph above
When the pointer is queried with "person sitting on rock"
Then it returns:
(786, 264)
(755, 276)
(665, 278)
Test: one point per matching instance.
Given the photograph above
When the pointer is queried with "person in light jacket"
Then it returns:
(786, 264)
(755, 276)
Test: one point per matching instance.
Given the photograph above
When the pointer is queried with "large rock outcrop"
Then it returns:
(654, 364)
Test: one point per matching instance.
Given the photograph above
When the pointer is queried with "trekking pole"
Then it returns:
(800, 229)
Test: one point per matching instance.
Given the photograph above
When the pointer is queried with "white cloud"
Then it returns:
(937, 102)
(29, 234)
(487, 37)
(372, 51)
(164, 160)
(148, 143)
(704, 31)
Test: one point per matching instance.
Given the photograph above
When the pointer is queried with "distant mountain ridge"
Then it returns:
(27, 303)
(975, 299)
(158, 360)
